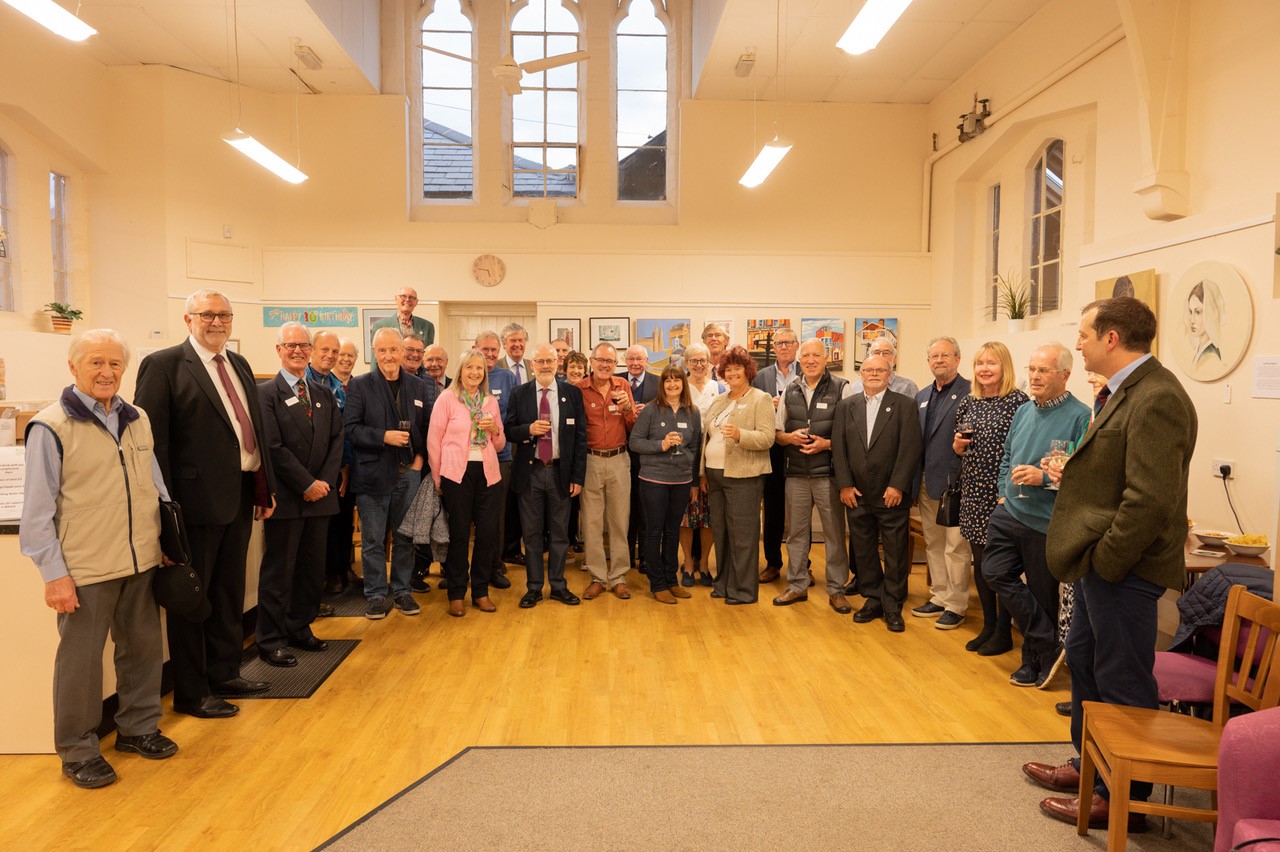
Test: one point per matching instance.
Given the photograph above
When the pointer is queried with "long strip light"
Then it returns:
(768, 158)
(262, 155)
(51, 16)
(870, 25)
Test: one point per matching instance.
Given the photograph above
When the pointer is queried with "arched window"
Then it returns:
(1045, 267)
(642, 104)
(544, 116)
(448, 82)
(6, 235)
(59, 217)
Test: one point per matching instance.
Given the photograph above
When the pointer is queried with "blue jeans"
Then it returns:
(377, 513)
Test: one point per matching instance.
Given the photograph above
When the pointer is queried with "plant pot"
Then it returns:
(1017, 326)
(61, 325)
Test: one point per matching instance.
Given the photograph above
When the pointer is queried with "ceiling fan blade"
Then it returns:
(533, 66)
(448, 54)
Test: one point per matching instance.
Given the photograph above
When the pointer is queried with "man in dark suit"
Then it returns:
(644, 389)
(1118, 530)
(386, 422)
(304, 440)
(211, 447)
(773, 380)
(548, 425)
(946, 550)
(876, 451)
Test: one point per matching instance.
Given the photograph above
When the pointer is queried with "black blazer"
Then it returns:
(648, 387)
(370, 413)
(941, 464)
(891, 458)
(302, 450)
(196, 446)
(572, 431)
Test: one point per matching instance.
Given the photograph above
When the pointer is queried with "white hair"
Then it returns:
(292, 324)
(198, 295)
(94, 337)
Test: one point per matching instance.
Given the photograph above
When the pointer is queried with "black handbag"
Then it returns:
(949, 505)
(177, 587)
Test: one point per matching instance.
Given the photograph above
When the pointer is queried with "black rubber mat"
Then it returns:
(349, 603)
(300, 681)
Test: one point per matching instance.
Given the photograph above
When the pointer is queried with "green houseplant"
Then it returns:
(1013, 299)
(62, 316)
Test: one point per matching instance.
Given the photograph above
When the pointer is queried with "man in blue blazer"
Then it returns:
(386, 418)
(547, 424)
(304, 440)
(946, 550)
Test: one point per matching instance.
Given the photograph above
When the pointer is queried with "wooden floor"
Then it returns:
(290, 774)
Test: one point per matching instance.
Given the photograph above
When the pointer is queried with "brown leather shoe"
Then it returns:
(484, 604)
(678, 592)
(770, 573)
(840, 604)
(1067, 809)
(622, 591)
(789, 597)
(664, 596)
(1062, 778)
(593, 591)
(457, 608)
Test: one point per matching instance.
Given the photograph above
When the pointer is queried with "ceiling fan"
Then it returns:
(508, 72)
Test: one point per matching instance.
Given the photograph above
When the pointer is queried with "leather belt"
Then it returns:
(552, 463)
(607, 454)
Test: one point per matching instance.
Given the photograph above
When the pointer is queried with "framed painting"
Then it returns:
(1214, 320)
(866, 330)
(570, 330)
(615, 331)
(371, 317)
(665, 340)
(830, 330)
(1139, 285)
(760, 339)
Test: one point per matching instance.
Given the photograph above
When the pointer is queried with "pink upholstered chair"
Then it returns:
(1248, 796)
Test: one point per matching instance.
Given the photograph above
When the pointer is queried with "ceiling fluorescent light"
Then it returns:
(51, 16)
(307, 57)
(263, 156)
(769, 157)
(870, 25)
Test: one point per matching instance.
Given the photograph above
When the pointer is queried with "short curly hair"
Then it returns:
(736, 356)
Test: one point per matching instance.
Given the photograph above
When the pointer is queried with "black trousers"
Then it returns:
(775, 508)
(207, 652)
(544, 514)
(340, 550)
(291, 580)
(1015, 550)
(872, 527)
(471, 502)
(636, 524)
(663, 507)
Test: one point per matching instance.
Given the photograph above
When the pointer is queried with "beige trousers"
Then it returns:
(606, 500)
(950, 560)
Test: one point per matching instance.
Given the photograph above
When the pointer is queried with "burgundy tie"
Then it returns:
(242, 416)
(1103, 396)
(544, 441)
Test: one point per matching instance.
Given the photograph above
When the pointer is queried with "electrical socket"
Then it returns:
(1218, 464)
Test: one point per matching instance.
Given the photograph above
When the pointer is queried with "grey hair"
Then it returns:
(816, 340)
(1062, 353)
(383, 331)
(413, 335)
(510, 329)
(292, 324)
(694, 349)
(887, 339)
(485, 335)
(787, 330)
(93, 337)
(714, 325)
(343, 341)
(601, 345)
(954, 344)
(190, 305)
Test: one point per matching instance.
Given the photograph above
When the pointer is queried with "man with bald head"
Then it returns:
(435, 361)
(404, 321)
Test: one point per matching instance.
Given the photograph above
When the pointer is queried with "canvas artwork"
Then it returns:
(866, 330)
(1139, 285)
(830, 330)
(760, 339)
(612, 330)
(1214, 320)
(570, 330)
(665, 340)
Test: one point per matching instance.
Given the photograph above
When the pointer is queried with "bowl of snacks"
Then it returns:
(1216, 538)
(1248, 545)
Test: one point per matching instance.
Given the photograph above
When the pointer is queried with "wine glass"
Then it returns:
(678, 439)
(1059, 452)
(965, 428)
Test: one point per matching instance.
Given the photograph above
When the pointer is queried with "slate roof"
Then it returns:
(447, 168)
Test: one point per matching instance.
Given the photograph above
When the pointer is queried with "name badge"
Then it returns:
(613, 409)
(418, 403)
(821, 405)
(741, 405)
(497, 392)
(682, 425)
(569, 421)
(924, 404)
(293, 400)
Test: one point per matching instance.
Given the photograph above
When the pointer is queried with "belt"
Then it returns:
(552, 463)
(607, 454)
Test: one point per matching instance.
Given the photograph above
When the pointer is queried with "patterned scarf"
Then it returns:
(475, 407)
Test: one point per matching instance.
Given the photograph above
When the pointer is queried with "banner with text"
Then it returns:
(328, 316)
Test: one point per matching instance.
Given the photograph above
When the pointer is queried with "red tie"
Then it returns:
(1101, 401)
(242, 416)
(544, 441)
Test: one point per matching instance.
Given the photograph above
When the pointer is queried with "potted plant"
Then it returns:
(1013, 299)
(62, 316)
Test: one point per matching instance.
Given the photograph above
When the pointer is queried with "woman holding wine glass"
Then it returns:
(463, 441)
(982, 424)
(667, 439)
(697, 517)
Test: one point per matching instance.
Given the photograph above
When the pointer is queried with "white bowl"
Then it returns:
(1212, 537)
(1248, 549)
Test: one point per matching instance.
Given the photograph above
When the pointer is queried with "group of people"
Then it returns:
(711, 453)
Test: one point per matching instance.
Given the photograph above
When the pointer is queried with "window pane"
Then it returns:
(564, 77)
(562, 158)
(449, 108)
(641, 116)
(1053, 235)
(995, 206)
(447, 171)
(642, 63)
(642, 20)
(642, 174)
(1049, 287)
(527, 117)
(562, 116)
(1036, 255)
(1037, 183)
(448, 16)
(1034, 290)
(529, 158)
(526, 47)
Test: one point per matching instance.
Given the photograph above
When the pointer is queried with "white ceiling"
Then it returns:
(933, 43)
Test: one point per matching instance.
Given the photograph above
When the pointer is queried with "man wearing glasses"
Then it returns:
(211, 445)
(773, 380)
(404, 320)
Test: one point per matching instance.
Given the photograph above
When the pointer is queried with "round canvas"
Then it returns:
(1212, 320)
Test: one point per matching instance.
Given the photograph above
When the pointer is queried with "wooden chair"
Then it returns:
(1124, 744)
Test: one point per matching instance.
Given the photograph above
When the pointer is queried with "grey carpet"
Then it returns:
(301, 681)
(348, 603)
(864, 797)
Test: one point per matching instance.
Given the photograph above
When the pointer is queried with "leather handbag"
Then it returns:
(177, 587)
(949, 505)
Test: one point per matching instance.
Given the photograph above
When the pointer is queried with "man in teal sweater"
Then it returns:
(1017, 530)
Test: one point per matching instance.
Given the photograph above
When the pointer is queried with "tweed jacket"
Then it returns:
(754, 415)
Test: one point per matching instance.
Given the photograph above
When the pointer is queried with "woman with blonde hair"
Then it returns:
(982, 425)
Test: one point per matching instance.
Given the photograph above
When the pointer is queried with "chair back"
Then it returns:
(1248, 656)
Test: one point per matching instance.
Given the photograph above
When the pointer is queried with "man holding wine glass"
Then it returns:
(1013, 562)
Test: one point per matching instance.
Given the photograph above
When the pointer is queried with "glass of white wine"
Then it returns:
(1059, 452)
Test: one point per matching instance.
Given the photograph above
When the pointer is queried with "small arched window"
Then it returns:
(642, 104)
(1045, 266)
(448, 83)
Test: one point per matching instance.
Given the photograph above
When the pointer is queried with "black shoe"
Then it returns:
(90, 774)
(154, 746)
(577, 547)
(928, 609)
(443, 586)
(418, 582)
(851, 588)
(209, 707)
(565, 597)
(716, 594)
(1063, 708)
(239, 686)
(309, 643)
(893, 620)
(870, 612)
(996, 645)
(278, 657)
(326, 611)
(530, 600)
(513, 559)
(981, 639)
(500, 580)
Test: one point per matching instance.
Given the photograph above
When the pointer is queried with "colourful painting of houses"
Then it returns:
(830, 330)
(760, 338)
(666, 340)
(867, 330)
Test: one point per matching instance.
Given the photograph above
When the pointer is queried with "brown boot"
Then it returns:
(664, 596)
(678, 592)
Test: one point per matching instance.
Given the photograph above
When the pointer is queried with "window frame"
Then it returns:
(661, 13)
(8, 289)
(993, 248)
(1037, 188)
(60, 235)
(417, 115)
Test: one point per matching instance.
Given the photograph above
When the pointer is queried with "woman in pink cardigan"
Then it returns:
(463, 441)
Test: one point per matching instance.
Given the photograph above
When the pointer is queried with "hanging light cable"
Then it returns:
(775, 149)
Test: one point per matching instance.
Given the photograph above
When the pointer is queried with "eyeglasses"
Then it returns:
(697, 361)
(784, 343)
(1042, 371)
(208, 317)
(406, 298)
(605, 360)
(874, 371)
(544, 361)
(296, 347)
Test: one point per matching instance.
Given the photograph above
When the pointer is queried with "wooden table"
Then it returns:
(1197, 564)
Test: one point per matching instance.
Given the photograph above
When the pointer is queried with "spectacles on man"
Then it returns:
(297, 347)
(406, 298)
(208, 317)
(874, 371)
(1042, 371)
(784, 343)
(605, 360)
